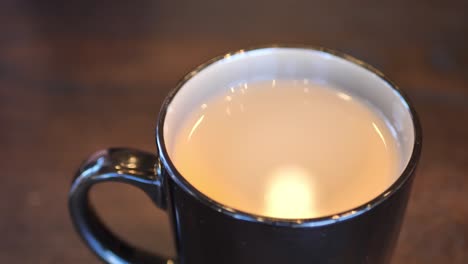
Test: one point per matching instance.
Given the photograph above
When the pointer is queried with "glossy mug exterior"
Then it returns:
(208, 232)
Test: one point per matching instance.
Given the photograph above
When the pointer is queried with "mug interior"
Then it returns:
(290, 63)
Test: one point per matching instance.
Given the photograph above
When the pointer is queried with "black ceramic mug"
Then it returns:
(207, 231)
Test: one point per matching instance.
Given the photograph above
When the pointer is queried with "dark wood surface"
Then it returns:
(78, 77)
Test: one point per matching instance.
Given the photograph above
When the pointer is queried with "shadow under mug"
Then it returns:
(206, 231)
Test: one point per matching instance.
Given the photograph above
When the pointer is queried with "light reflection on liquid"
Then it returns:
(290, 194)
(194, 128)
(344, 96)
(380, 134)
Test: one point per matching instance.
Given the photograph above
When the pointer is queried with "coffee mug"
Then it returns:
(207, 231)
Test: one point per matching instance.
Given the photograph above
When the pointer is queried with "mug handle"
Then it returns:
(140, 169)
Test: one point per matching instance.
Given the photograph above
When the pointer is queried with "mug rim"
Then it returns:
(407, 173)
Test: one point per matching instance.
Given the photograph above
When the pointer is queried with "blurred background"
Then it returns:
(78, 76)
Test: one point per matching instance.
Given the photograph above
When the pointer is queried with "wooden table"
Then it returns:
(77, 77)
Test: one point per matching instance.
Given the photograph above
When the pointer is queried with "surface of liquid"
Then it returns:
(287, 149)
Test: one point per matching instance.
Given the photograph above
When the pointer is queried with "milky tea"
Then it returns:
(287, 149)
